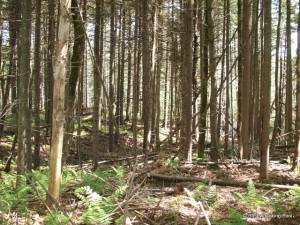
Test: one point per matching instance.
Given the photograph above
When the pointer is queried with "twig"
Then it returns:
(205, 215)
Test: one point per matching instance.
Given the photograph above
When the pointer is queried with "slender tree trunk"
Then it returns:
(147, 79)
(204, 83)
(289, 78)
(49, 71)
(227, 63)
(24, 114)
(158, 78)
(166, 91)
(240, 73)
(129, 76)
(98, 52)
(37, 92)
(266, 93)
(214, 152)
(55, 161)
(245, 114)
(187, 85)
(135, 93)
(172, 80)
(296, 160)
(111, 76)
(76, 71)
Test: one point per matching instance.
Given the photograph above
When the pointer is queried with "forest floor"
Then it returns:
(153, 199)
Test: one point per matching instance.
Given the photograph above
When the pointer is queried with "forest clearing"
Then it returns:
(149, 112)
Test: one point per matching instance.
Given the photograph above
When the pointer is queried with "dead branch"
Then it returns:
(231, 183)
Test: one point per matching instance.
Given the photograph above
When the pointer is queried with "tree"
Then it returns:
(186, 81)
(37, 82)
(58, 116)
(147, 79)
(51, 34)
(214, 152)
(98, 52)
(245, 111)
(111, 76)
(24, 116)
(289, 78)
(204, 83)
(296, 160)
(266, 90)
(75, 73)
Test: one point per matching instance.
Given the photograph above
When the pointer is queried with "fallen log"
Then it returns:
(231, 183)
(223, 163)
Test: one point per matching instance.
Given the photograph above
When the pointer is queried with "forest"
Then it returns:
(150, 112)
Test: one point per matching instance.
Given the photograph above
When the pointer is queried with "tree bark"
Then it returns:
(296, 159)
(111, 76)
(266, 90)
(58, 116)
(187, 79)
(214, 151)
(24, 114)
(76, 72)
(37, 81)
(289, 77)
(244, 136)
(147, 79)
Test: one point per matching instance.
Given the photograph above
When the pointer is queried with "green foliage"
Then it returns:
(235, 219)
(172, 164)
(103, 178)
(294, 195)
(56, 218)
(98, 209)
(206, 195)
(13, 196)
(288, 161)
(251, 199)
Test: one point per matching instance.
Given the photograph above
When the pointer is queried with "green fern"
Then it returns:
(251, 198)
(294, 194)
(235, 219)
(98, 209)
(56, 218)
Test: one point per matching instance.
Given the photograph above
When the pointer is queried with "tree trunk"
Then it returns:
(244, 136)
(214, 151)
(296, 160)
(135, 93)
(204, 83)
(111, 76)
(98, 52)
(76, 71)
(58, 117)
(129, 76)
(266, 90)
(186, 85)
(37, 92)
(147, 79)
(24, 116)
(289, 77)
(49, 71)
(227, 63)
